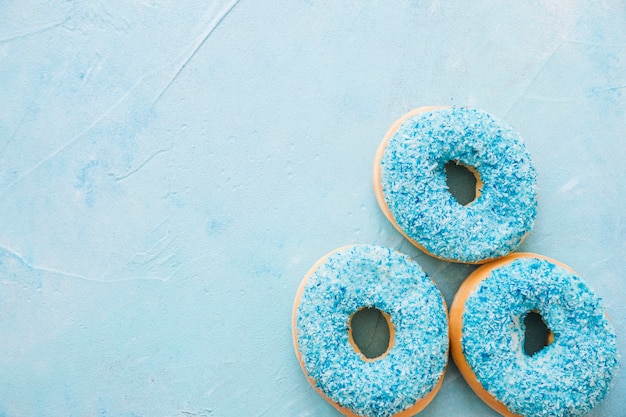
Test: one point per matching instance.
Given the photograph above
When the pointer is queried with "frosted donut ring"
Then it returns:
(570, 375)
(410, 183)
(404, 379)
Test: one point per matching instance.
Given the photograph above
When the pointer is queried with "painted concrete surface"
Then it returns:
(169, 171)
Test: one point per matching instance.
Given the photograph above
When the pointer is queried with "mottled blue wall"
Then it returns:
(169, 171)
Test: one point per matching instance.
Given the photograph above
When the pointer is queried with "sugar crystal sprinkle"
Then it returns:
(372, 276)
(414, 184)
(567, 377)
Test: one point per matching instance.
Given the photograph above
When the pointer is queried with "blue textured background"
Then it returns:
(169, 171)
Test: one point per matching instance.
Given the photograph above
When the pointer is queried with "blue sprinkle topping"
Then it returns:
(414, 184)
(371, 276)
(566, 378)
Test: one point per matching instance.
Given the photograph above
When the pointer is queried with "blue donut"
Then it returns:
(411, 189)
(407, 376)
(570, 375)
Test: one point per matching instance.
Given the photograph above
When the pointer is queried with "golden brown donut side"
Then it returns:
(392, 337)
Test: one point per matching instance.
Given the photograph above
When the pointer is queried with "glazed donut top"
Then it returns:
(566, 378)
(413, 182)
(372, 276)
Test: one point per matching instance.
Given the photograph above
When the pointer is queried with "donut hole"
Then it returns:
(537, 335)
(463, 182)
(371, 333)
